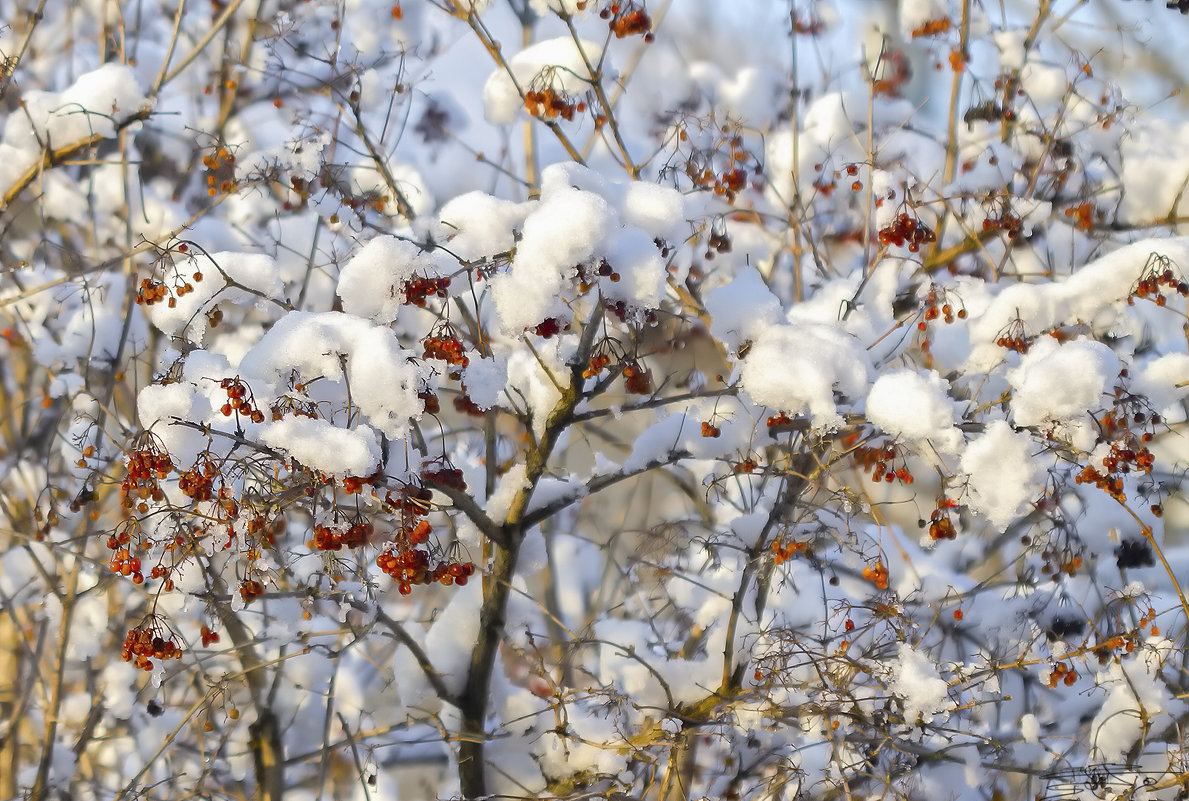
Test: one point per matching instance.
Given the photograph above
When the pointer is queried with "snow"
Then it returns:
(318, 445)
(797, 369)
(1002, 473)
(1057, 383)
(916, 406)
(918, 685)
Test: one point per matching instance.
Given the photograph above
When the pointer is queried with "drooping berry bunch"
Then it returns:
(123, 563)
(785, 549)
(1159, 276)
(877, 574)
(905, 229)
(548, 103)
(148, 641)
(419, 287)
(409, 559)
(250, 590)
(627, 19)
(1002, 218)
(1062, 673)
(1082, 215)
(933, 27)
(780, 420)
(637, 380)
(220, 171)
(1015, 336)
(710, 431)
(1129, 425)
(355, 534)
(209, 636)
(198, 482)
(713, 156)
(880, 461)
(444, 344)
(598, 363)
(941, 527)
(938, 305)
(550, 327)
(147, 466)
(413, 566)
(152, 291)
(239, 400)
(444, 475)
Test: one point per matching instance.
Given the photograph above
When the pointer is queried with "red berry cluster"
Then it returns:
(1063, 673)
(938, 305)
(446, 346)
(220, 176)
(239, 400)
(906, 229)
(598, 363)
(250, 590)
(550, 327)
(446, 476)
(1006, 221)
(1082, 215)
(933, 27)
(152, 291)
(627, 19)
(198, 483)
(550, 103)
(879, 459)
(464, 405)
(1015, 336)
(1128, 426)
(127, 565)
(784, 550)
(780, 420)
(356, 535)
(146, 467)
(940, 525)
(636, 378)
(1158, 273)
(418, 288)
(710, 431)
(353, 485)
(411, 566)
(208, 636)
(147, 642)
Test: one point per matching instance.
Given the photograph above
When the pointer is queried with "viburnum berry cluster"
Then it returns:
(941, 526)
(785, 549)
(239, 400)
(444, 344)
(549, 103)
(1015, 336)
(939, 305)
(906, 229)
(147, 466)
(1159, 280)
(1127, 428)
(152, 639)
(627, 19)
(879, 460)
(417, 289)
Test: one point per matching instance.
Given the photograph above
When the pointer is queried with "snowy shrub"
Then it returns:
(590, 399)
